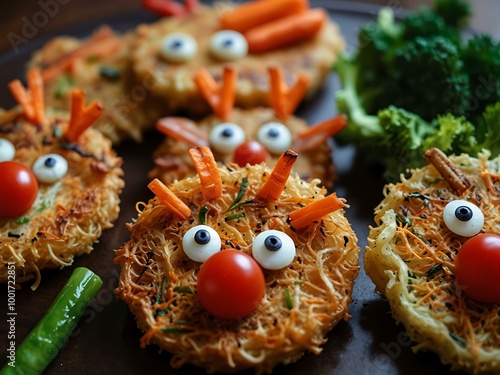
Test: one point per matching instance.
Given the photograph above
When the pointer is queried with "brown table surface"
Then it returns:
(107, 340)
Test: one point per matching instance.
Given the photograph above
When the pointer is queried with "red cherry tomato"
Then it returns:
(230, 284)
(477, 268)
(18, 189)
(250, 152)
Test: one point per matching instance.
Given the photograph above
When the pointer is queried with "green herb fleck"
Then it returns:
(184, 289)
(403, 220)
(434, 269)
(411, 274)
(298, 282)
(159, 297)
(458, 339)
(243, 187)
(43, 206)
(203, 215)
(420, 196)
(235, 216)
(420, 237)
(176, 330)
(162, 312)
(23, 220)
(288, 299)
(110, 72)
(63, 85)
(92, 58)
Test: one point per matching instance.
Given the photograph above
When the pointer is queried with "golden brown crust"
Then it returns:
(68, 216)
(174, 81)
(172, 161)
(320, 279)
(410, 258)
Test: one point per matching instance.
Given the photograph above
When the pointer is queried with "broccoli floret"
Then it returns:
(430, 79)
(488, 129)
(452, 135)
(426, 23)
(456, 13)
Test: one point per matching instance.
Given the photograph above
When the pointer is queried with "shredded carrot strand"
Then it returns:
(305, 216)
(256, 13)
(284, 100)
(30, 101)
(273, 187)
(169, 199)
(220, 98)
(206, 167)
(182, 129)
(81, 117)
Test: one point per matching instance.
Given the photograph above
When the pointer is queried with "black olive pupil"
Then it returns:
(50, 162)
(273, 133)
(463, 213)
(228, 132)
(202, 237)
(177, 44)
(228, 43)
(272, 243)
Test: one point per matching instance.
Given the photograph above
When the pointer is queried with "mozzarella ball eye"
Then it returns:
(273, 250)
(7, 150)
(275, 137)
(200, 243)
(178, 47)
(50, 168)
(226, 137)
(463, 218)
(228, 45)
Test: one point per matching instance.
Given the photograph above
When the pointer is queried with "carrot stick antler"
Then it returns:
(319, 133)
(81, 117)
(31, 100)
(305, 216)
(220, 98)
(204, 162)
(274, 186)
(169, 199)
(285, 100)
(182, 129)
(171, 8)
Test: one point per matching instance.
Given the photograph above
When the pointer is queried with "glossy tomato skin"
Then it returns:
(250, 152)
(231, 284)
(477, 268)
(18, 189)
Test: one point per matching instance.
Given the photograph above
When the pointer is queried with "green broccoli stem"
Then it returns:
(349, 102)
(43, 343)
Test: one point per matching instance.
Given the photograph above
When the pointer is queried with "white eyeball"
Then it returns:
(226, 137)
(273, 249)
(228, 45)
(50, 168)
(7, 150)
(463, 218)
(200, 243)
(275, 137)
(178, 47)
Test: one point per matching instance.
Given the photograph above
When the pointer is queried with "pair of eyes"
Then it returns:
(225, 45)
(47, 168)
(226, 137)
(272, 249)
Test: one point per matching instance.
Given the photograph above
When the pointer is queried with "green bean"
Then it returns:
(45, 341)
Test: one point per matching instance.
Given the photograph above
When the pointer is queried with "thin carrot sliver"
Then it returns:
(81, 117)
(305, 216)
(285, 31)
(256, 13)
(182, 129)
(220, 98)
(31, 100)
(284, 100)
(319, 133)
(273, 187)
(164, 7)
(169, 199)
(206, 167)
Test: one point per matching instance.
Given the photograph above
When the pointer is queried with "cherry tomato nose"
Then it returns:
(249, 152)
(18, 189)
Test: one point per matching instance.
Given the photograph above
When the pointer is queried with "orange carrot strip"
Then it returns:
(285, 100)
(204, 162)
(30, 101)
(285, 31)
(169, 199)
(256, 13)
(81, 117)
(103, 45)
(305, 216)
(182, 129)
(273, 187)
(319, 133)
(220, 99)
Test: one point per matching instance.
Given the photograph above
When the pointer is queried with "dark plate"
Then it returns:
(107, 339)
